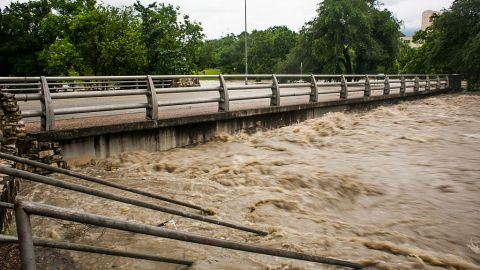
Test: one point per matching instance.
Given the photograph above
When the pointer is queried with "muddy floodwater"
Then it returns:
(397, 187)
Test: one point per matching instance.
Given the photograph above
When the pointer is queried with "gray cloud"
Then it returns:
(220, 17)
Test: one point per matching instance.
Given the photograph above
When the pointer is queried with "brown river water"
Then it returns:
(397, 187)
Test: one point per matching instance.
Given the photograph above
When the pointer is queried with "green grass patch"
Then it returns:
(209, 71)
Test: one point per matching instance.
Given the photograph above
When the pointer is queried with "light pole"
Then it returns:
(246, 46)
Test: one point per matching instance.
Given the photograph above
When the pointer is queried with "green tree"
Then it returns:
(347, 37)
(452, 43)
(172, 43)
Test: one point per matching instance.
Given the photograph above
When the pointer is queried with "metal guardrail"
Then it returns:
(23, 209)
(47, 89)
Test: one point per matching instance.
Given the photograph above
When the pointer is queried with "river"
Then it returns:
(397, 187)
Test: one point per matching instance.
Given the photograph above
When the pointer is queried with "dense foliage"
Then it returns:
(67, 37)
(82, 37)
(451, 44)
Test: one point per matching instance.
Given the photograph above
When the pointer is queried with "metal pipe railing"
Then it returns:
(102, 221)
(38, 242)
(149, 86)
(110, 196)
(100, 181)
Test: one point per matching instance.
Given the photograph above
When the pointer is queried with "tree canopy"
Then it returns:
(452, 43)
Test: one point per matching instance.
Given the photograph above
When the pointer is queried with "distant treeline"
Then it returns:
(82, 37)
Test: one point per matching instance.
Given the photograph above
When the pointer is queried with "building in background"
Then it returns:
(427, 18)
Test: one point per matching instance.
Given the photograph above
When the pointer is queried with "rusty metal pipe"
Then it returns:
(98, 181)
(24, 232)
(66, 185)
(97, 220)
(91, 249)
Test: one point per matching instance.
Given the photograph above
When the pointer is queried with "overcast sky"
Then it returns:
(220, 17)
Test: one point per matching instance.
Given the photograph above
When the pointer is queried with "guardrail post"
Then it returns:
(224, 103)
(25, 239)
(314, 88)
(368, 87)
(416, 86)
(344, 90)
(152, 102)
(386, 88)
(455, 82)
(427, 86)
(275, 99)
(438, 83)
(403, 85)
(48, 116)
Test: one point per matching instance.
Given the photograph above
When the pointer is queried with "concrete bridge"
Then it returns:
(98, 117)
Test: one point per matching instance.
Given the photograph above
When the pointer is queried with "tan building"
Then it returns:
(409, 41)
(427, 18)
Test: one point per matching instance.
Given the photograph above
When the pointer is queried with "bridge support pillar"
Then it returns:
(275, 99)
(368, 87)
(47, 118)
(224, 103)
(152, 102)
(386, 88)
(344, 88)
(314, 88)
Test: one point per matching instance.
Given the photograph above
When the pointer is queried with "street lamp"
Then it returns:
(246, 46)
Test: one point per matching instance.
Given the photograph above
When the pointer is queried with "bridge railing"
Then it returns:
(228, 90)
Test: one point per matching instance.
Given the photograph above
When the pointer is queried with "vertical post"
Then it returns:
(455, 82)
(368, 87)
(314, 88)
(224, 103)
(416, 86)
(427, 85)
(386, 88)
(448, 82)
(439, 84)
(275, 99)
(246, 46)
(403, 85)
(25, 240)
(344, 90)
(48, 116)
(152, 103)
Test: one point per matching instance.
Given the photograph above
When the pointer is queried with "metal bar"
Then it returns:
(275, 99)
(6, 205)
(178, 90)
(20, 79)
(329, 84)
(114, 197)
(313, 89)
(91, 249)
(31, 113)
(237, 98)
(28, 97)
(152, 102)
(224, 101)
(293, 85)
(24, 232)
(368, 87)
(87, 78)
(250, 86)
(344, 91)
(48, 115)
(97, 220)
(295, 94)
(187, 102)
(89, 94)
(103, 108)
(328, 92)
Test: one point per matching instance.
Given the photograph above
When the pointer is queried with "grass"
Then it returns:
(210, 71)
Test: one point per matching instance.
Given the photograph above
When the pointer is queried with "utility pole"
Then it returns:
(246, 46)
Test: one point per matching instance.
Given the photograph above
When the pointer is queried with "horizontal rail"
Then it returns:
(102, 221)
(97, 250)
(294, 94)
(102, 108)
(99, 181)
(6, 205)
(250, 97)
(110, 196)
(49, 89)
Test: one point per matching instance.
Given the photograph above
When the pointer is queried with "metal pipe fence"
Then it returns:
(27, 242)
(48, 89)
